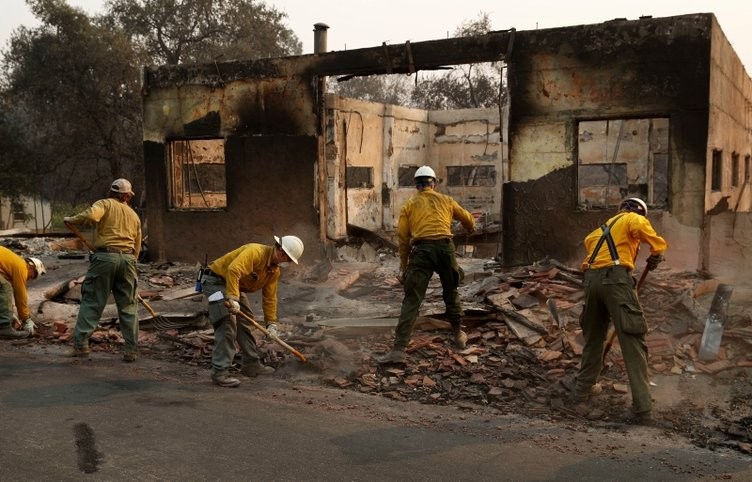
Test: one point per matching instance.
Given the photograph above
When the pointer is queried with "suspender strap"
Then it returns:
(609, 240)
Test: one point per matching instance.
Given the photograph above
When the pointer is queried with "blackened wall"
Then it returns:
(619, 69)
(269, 192)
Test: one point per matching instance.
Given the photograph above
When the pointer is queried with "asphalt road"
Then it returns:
(153, 420)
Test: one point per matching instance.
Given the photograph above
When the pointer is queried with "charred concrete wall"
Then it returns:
(727, 233)
(268, 126)
(617, 70)
(678, 75)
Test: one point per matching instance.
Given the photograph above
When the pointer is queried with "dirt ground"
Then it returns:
(340, 315)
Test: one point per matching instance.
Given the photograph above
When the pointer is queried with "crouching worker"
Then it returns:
(15, 272)
(247, 269)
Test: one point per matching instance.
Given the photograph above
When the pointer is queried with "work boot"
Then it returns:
(396, 356)
(460, 338)
(130, 356)
(256, 369)
(225, 380)
(579, 395)
(76, 352)
(7, 332)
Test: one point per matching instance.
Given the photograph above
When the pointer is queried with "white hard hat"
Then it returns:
(38, 265)
(121, 186)
(636, 205)
(292, 246)
(424, 171)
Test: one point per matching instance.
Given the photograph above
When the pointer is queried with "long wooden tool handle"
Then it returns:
(266, 332)
(641, 281)
(147, 306)
(80, 236)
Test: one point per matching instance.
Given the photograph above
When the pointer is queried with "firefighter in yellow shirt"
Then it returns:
(15, 271)
(112, 269)
(610, 296)
(249, 268)
(425, 246)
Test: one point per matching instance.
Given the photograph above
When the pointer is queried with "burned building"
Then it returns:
(239, 151)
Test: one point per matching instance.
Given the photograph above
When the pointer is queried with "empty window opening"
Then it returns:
(621, 158)
(471, 176)
(747, 167)
(735, 169)
(359, 177)
(197, 174)
(407, 176)
(717, 170)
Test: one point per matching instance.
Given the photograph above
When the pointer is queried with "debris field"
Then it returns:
(524, 340)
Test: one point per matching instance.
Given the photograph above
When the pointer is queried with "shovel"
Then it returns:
(159, 322)
(551, 303)
(612, 336)
(273, 337)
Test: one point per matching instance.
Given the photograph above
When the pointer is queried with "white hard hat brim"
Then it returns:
(278, 240)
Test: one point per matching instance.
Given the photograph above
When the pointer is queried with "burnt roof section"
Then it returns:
(427, 55)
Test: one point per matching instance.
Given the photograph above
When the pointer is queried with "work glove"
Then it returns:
(654, 260)
(68, 219)
(233, 306)
(271, 330)
(30, 326)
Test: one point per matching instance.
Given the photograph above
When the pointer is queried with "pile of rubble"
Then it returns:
(522, 323)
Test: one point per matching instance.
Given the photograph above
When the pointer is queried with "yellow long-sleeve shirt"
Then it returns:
(428, 215)
(628, 232)
(14, 269)
(248, 269)
(117, 224)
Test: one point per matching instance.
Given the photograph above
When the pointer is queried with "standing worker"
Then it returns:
(610, 295)
(425, 247)
(249, 268)
(15, 271)
(112, 269)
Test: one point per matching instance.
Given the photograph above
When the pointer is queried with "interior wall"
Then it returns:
(387, 138)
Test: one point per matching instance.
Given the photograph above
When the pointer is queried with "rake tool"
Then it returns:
(266, 332)
(159, 322)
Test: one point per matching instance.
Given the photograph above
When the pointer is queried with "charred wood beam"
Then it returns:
(399, 58)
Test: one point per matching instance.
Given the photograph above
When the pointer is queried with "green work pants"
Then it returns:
(109, 273)
(426, 258)
(229, 329)
(6, 302)
(610, 296)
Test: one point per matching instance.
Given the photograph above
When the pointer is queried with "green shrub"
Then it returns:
(62, 209)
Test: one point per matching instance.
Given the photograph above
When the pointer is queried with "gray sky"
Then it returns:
(367, 23)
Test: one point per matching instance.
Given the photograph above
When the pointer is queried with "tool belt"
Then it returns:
(108, 249)
(208, 272)
(418, 242)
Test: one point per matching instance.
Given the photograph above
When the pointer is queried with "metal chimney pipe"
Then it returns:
(319, 37)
